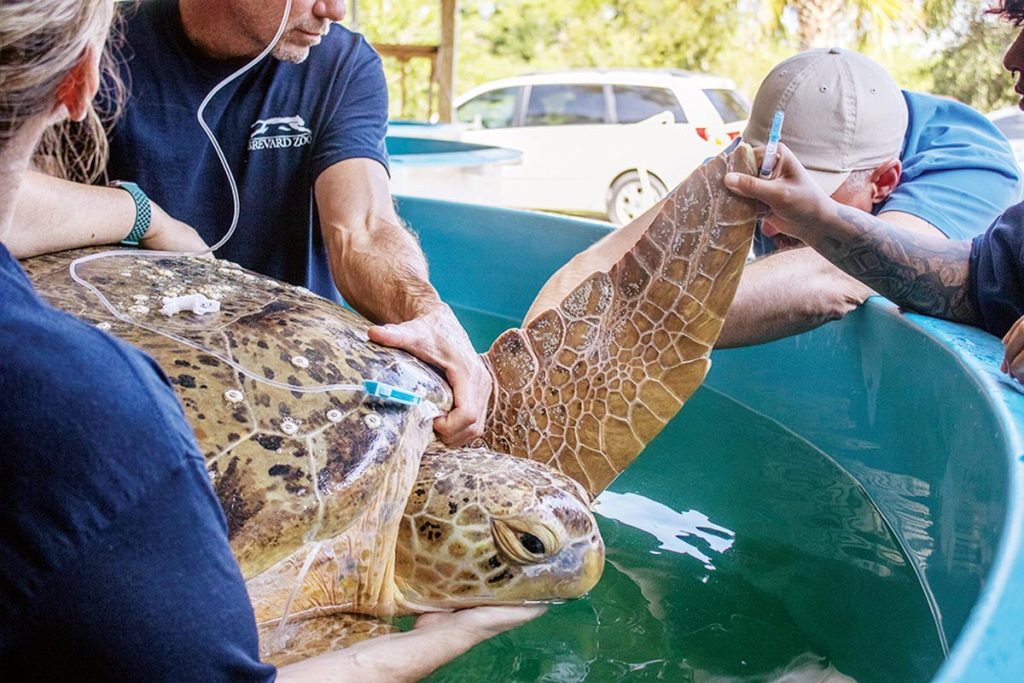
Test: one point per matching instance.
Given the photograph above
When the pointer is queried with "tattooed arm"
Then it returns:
(923, 272)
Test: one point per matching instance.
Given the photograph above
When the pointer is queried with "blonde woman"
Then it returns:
(114, 560)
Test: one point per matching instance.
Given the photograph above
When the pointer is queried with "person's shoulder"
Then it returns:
(85, 391)
(926, 108)
(1007, 230)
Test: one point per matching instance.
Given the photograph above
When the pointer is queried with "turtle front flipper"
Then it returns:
(626, 335)
(316, 635)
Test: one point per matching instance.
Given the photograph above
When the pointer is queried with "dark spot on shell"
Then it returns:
(432, 531)
(268, 372)
(208, 360)
(262, 344)
(269, 441)
(187, 381)
(276, 307)
(493, 562)
(238, 507)
(453, 507)
(232, 437)
(182, 363)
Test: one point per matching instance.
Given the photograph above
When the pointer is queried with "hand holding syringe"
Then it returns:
(789, 196)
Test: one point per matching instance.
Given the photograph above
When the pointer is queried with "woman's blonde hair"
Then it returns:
(40, 41)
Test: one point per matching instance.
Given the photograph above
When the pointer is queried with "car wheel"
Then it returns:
(628, 197)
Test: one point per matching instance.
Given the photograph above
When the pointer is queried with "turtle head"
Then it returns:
(482, 528)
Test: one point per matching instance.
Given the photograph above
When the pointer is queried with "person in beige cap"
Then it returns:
(978, 281)
(927, 164)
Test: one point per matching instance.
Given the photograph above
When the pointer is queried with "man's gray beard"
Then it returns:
(292, 55)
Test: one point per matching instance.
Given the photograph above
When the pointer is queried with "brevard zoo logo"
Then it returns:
(282, 132)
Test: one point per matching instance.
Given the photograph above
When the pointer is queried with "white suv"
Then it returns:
(608, 141)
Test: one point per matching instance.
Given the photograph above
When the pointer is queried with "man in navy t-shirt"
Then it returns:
(303, 133)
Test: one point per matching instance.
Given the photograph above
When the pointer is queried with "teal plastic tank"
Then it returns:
(446, 169)
(847, 502)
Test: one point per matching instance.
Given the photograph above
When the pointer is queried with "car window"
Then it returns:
(729, 104)
(492, 109)
(1011, 126)
(560, 105)
(635, 103)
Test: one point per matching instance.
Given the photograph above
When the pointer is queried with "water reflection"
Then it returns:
(667, 525)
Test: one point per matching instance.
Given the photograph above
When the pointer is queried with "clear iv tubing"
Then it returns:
(73, 268)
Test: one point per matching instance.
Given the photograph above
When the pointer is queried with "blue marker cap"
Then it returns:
(776, 132)
(391, 393)
(771, 152)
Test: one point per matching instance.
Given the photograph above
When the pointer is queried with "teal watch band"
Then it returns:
(143, 212)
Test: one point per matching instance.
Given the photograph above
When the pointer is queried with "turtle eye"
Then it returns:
(531, 543)
(520, 546)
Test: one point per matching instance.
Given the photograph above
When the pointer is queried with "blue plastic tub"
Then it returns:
(911, 409)
(447, 169)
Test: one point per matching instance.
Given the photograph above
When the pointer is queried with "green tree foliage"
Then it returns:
(970, 68)
(944, 46)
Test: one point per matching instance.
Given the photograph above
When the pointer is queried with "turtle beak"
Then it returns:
(591, 568)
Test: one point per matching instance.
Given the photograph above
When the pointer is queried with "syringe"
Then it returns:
(771, 156)
(771, 151)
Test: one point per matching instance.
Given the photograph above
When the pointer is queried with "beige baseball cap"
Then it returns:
(844, 113)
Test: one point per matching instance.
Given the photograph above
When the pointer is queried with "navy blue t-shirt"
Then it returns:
(280, 126)
(114, 558)
(997, 272)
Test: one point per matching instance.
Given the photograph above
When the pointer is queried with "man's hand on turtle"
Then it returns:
(439, 339)
(1013, 360)
(169, 234)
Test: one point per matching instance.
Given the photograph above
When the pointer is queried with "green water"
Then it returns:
(736, 552)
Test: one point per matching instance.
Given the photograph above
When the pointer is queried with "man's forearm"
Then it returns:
(382, 273)
(787, 293)
(924, 273)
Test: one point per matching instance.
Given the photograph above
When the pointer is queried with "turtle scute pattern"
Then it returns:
(289, 468)
(315, 485)
(588, 383)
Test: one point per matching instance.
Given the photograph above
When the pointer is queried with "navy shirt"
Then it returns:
(959, 172)
(280, 126)
(997, 272)
(114, 558)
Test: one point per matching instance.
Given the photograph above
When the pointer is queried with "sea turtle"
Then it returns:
(338, 503)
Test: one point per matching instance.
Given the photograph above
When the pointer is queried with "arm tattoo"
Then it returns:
(915, 272)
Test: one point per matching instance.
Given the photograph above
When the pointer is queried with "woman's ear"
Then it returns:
(80, 84)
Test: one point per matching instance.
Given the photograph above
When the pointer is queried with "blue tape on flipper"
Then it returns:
(391, 393)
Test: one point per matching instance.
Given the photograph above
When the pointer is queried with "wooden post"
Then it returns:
(446, 62)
